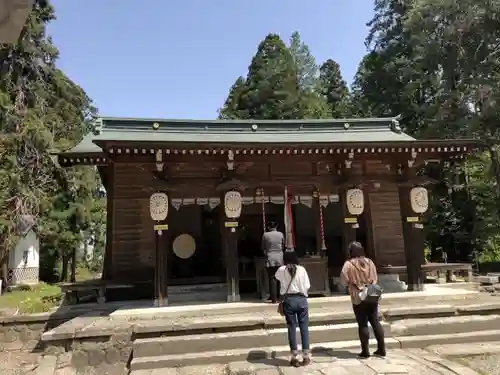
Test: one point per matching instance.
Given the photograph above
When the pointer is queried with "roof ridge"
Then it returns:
(250, 121)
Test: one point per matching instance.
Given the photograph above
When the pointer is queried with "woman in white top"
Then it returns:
(295, 284)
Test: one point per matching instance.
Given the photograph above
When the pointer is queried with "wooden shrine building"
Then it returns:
(346, 179)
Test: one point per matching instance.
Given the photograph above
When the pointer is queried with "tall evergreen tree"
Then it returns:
(312, 103)
(334, 89)
(305, 63)
(434, 62)
(41, 109)
(271, 90)
(230, 109)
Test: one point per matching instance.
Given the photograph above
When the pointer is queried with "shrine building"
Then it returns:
(188, 200)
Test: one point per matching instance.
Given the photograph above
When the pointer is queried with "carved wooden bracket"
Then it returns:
(231, 184)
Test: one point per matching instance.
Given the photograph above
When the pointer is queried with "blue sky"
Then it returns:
(178, 58)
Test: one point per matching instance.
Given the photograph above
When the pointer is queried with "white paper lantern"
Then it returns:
(232, 204)
(419, 200)
(158, 206)
(355, 201)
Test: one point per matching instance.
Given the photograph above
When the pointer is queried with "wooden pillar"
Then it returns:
(161, 269)
(162, 244)
(350, 223)
(414, 238)
(229, 237)
(107, 177)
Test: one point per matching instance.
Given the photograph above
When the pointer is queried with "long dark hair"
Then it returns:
(356, 250)
(291, 261)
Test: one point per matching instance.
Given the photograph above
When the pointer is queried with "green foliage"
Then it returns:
(35, 299)
(435, 63)
(334, 89)
(284, 82)
(42, 110)
(271, 88)
(311, 103)
(230, 109)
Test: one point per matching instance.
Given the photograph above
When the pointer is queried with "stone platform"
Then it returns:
(114, 338)
(432, 294)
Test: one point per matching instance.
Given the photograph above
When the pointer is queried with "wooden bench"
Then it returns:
(449, 269)
(72, 291)
(439, 268)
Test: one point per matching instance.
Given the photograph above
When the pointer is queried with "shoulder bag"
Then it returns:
(371, 292)
(281, 310)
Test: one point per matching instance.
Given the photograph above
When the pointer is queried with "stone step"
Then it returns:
(445, 326)
(237, 322)
(240, 340)
(435, 295)
(468, 350)
(89, 325)
(488, 280)
(179, 344)
(261, 352)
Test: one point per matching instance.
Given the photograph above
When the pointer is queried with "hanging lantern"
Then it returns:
(355, 201)
(419, 200)
(158, 206)
(232, 204)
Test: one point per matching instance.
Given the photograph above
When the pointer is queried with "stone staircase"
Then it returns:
(223, 336)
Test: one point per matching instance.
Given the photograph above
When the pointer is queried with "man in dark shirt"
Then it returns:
(273, 243)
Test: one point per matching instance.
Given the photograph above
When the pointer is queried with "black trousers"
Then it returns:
(368, 313)
(274, 285)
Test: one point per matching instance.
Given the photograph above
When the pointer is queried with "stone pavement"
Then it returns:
(398, 362)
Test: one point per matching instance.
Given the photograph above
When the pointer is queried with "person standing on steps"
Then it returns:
(357, 272)
(295, 285)
(273, 243)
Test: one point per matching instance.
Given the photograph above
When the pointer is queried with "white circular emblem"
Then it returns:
(184, 246)
(232, 204)
(355, 201)
(419, 200)
(158, 206)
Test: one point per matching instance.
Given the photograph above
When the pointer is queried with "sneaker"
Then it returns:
(380, 353)
(363, 355)
(294, 362)
(306, 361)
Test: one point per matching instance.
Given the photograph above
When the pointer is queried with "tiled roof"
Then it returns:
(334, 131)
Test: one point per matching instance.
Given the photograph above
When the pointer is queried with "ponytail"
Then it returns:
(292, 269)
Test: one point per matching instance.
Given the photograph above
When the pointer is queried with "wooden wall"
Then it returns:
(386, 224)
(387, 229)
(132, 237)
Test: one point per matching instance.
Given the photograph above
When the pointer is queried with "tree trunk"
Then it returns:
(4, 271)
(495, 164)
(73, 265)
(64, 269)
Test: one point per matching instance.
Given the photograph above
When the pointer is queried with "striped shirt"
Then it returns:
(356, 273)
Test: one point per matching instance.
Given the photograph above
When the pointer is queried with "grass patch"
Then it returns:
(83, 274)
(32, 299)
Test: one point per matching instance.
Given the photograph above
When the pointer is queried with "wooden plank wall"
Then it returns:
(386, 226)
(133, 235)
